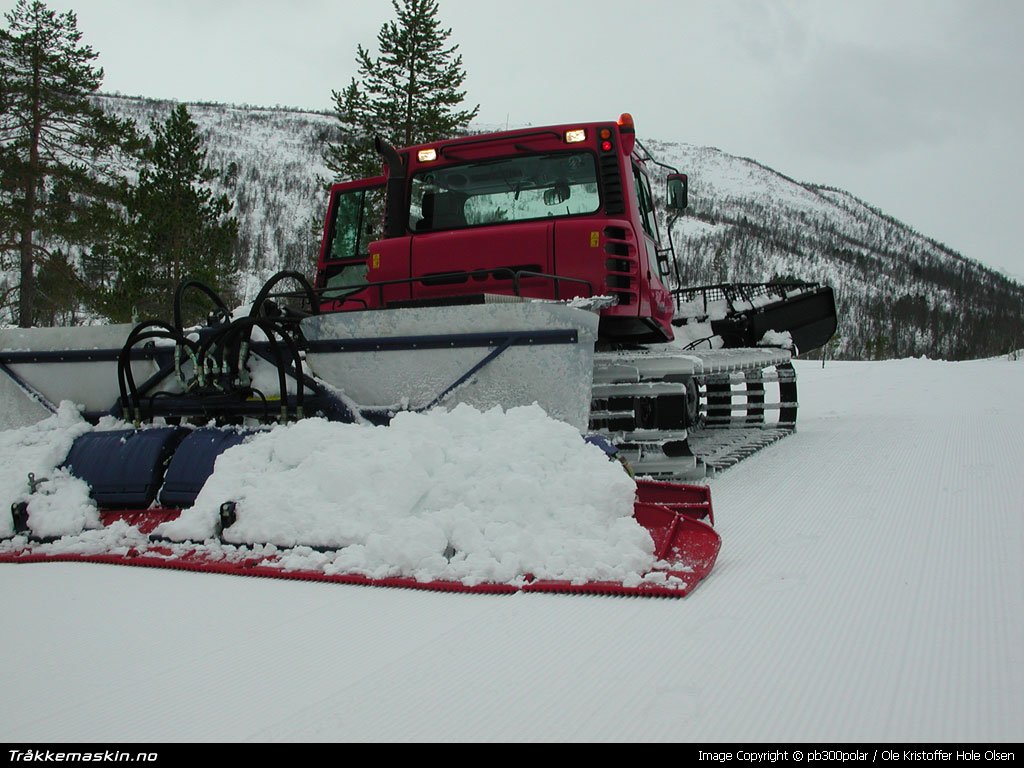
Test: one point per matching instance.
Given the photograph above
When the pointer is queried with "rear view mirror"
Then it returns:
(677, 192)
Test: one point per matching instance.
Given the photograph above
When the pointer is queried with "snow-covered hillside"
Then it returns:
(273, 172)
(900, 293)
(870, 588)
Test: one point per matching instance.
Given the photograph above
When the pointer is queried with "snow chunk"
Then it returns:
(696, 336)
(61, 506)
(691, 309)
(782, 339)
(718, 309)
(464, 495)
(592, 303)
(58, 507)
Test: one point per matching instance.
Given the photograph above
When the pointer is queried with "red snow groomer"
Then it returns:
(570, 213)
(498, 269)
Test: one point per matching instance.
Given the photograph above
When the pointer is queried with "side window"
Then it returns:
(643, 195)
(358, 221)
(649, 220)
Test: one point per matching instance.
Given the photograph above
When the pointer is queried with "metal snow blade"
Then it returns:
(344, 366)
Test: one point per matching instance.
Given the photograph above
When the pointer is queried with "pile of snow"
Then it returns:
(783, 339)
(695, 336)
(460, 495)
(61, 503)
(464, 495)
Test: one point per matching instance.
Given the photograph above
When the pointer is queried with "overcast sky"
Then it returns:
(913, 105)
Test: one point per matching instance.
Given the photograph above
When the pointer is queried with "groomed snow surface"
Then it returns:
(870, 587)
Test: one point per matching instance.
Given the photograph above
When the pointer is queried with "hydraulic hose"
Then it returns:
(304, 284)
(204, 288)
(150, 329)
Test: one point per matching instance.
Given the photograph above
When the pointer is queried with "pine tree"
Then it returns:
(59, 149)
(176, 227)
(409, 94)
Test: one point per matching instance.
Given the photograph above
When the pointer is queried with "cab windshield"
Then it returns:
(520, 188)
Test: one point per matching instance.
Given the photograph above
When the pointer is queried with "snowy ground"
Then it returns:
(870, 587)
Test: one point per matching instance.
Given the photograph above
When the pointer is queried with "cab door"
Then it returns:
(355, 220)
(655, 298)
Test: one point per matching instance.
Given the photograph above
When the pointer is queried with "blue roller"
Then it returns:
(124, 468)
(193, 464)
